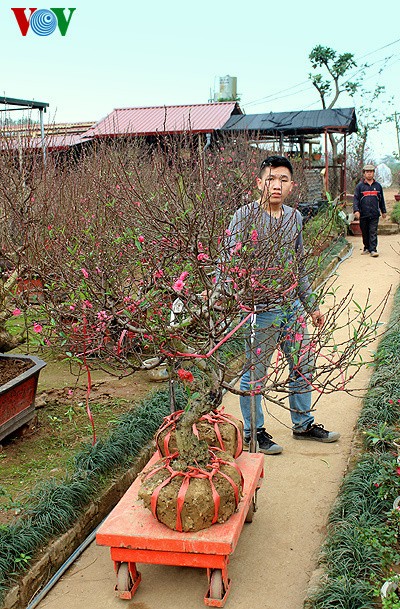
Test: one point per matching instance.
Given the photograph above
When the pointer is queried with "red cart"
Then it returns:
(134, 536)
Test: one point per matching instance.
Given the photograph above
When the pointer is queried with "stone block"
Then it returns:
(390, 228)
(12, 599)
(35, 579)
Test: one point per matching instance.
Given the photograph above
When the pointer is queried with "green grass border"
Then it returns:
(362, 541)
(54, 505)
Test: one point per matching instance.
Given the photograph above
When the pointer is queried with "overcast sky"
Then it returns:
(130, 53)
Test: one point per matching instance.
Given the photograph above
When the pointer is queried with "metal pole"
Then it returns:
(172, 393)
(326, 162)
(42, 135)
(397, 132)
(345, 165)
(253, 422)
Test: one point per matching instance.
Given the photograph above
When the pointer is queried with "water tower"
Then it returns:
(227, 89)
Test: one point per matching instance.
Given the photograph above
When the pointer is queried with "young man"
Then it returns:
(279, 313)
(368, 202)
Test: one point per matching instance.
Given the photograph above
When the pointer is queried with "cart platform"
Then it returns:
(134, 535)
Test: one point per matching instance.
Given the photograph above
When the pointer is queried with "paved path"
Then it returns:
(276, 555)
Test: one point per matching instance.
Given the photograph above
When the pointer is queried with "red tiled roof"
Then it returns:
(197, 118)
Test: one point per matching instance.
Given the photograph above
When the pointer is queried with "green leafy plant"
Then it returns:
(391, 601)
(380, 437)
(395, 213)
(22, 559)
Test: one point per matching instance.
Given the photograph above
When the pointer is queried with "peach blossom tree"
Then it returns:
(131, 244)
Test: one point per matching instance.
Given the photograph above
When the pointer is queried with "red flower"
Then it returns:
(185, 375)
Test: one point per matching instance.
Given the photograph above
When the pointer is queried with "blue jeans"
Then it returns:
(285, 329)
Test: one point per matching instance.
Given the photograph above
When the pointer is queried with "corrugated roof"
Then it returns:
(32, 129)
(52, 142)
(295, 123)
(197, 118)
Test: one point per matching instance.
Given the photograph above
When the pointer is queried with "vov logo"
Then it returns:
(42, 21)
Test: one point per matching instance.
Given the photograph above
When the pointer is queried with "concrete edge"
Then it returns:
(331, 266)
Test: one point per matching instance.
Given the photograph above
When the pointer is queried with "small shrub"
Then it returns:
(395, 215)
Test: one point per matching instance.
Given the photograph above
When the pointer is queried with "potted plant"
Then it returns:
(317, 155)
(397, 180)
(19, 376)
(354, 227)
(18, 373)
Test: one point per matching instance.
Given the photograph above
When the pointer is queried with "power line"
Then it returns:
(277, 95)
(380, 49)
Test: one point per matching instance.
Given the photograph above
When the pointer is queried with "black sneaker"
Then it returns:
(316, 432)
(265, 443)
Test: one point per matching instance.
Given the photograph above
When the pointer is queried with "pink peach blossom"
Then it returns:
(178, 285)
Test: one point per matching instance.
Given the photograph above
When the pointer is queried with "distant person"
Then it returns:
(368, 204)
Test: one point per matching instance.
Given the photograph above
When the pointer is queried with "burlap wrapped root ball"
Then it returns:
(194, 499)
(217, 428)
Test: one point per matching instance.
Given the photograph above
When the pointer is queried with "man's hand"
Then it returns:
(356, 215)
(318, 319)
(384, 216)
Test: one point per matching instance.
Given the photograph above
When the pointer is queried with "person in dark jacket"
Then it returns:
(368, 204)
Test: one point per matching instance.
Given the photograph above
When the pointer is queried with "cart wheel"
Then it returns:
(216, 584)
(124, 579)
(250, 513)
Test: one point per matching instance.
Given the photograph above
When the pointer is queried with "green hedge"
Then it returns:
(361, 544)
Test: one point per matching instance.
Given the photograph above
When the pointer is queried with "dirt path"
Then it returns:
(276, 555)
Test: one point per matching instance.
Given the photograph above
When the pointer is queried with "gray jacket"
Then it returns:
(276, 246)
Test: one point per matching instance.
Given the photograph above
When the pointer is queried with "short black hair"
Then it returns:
(276, 161)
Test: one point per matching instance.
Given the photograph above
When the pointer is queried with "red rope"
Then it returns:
(89, 380)
(214, 468)
(214, 418)
(217, 346)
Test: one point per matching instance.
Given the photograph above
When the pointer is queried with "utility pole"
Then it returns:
(397, 132)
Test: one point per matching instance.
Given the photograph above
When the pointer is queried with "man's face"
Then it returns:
(369, 174)
(275, 185)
